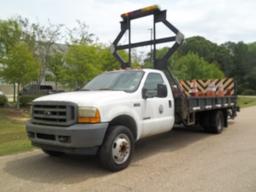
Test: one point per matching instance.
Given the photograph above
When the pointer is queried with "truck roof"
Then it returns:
(147, 70)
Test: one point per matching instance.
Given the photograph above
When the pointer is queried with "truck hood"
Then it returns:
(86, 98)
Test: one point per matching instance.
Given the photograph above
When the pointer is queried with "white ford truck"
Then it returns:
(117, 108)
(107, 116)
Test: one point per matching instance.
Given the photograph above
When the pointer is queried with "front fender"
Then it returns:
(113, 112)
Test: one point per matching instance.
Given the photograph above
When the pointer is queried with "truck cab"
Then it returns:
(139, 101)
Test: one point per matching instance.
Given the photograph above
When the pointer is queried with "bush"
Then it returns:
(249, 92)
(3, 100)
(26, 100)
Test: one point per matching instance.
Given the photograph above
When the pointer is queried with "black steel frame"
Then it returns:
(159, 63)
(184, 106)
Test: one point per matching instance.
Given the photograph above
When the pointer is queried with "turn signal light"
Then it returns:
(94, 119)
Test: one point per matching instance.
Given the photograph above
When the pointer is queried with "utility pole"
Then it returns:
(151, 46)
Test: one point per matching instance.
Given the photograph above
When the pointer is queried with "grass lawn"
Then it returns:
(13, 137)
(246, 101)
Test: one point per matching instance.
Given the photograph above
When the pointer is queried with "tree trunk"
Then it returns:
(14, 92)
(18, 99)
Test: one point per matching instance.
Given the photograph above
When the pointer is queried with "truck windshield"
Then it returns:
(116, 81)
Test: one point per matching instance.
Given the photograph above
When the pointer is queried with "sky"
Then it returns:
(216, 20)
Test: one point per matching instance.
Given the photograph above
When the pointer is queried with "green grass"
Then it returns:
(13, 137)
(246, 101)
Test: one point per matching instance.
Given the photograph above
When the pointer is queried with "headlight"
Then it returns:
(88, 115)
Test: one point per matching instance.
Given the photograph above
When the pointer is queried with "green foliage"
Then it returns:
(210, 51)
(243, 65)
(191, 66)
(203, 47)
(10, 33)
(3, 100)
(108, 61)
(82, 64)
(20, 66)
(56, 67)
(249, 92)
(26, 100)
(148, 63)
(79, 34)
(235, 60)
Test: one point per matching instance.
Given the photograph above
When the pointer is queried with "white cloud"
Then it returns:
(217, 20)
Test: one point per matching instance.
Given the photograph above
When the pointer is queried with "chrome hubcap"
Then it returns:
(121, 149)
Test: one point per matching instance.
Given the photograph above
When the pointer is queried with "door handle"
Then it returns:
(170, 104)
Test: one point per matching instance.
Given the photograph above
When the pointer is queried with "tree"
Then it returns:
(46, 38)
(191, 66)
(201, 46)
(107, 61)
(56, 68)
(10, 33)
(42, 40)
(240, 68)
(251, 67)
(208, 50)
(148, 63)
(82, 64)
(20, 67)
(80, 34)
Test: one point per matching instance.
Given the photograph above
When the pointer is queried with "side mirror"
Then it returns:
(161, 90)
(145, 94)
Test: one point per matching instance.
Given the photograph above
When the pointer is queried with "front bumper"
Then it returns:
(77, 138)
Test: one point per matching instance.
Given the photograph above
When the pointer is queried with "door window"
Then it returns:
(153, 79)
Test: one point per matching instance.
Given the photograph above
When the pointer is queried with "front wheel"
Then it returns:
(117, 149)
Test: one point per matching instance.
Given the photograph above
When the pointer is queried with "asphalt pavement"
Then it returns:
(183, 160)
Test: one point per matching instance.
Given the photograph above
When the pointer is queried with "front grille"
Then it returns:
(53, 113)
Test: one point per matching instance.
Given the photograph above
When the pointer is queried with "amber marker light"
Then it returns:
(88, 115)
(141, 12)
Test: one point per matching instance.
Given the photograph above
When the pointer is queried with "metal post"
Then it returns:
(129, 28)
(154, 42)
(151, 47)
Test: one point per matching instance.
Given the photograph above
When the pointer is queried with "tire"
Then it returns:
(203, 120)
(225, 119)
(53, 153)
(117, 150)
(216, 122)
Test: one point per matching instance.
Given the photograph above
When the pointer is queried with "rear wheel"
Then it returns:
(117, 149)
(53, 153)
(216, 122)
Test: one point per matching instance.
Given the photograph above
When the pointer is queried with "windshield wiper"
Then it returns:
(103, 89)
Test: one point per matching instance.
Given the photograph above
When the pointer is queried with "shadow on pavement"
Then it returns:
(74, 169)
